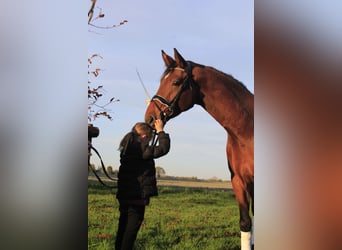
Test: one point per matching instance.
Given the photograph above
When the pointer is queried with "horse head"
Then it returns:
(176, 90)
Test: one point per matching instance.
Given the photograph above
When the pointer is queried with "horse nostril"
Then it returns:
(150, 120)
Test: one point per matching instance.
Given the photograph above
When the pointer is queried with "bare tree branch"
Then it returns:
(95, 108)
(109, 27)
(91, 10)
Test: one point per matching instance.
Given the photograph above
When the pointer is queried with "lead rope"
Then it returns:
(90, 147)
(155, 138)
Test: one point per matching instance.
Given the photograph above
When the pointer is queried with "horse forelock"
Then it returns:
(168, 70)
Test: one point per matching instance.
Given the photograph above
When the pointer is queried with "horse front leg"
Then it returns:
(243, 199)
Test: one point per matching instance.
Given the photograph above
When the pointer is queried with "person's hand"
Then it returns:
(159, 125)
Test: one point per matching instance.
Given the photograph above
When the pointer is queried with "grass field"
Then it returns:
(179, 218)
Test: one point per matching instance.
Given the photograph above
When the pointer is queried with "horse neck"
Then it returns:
(226, 100)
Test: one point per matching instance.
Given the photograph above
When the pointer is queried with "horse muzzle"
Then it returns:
(151, 119)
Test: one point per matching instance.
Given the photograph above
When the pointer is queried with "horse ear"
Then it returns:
(179, 59)
(167, 59)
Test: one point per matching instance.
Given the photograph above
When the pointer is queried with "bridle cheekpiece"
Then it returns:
(170, 105)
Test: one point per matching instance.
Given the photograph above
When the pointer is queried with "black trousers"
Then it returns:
(131, 217)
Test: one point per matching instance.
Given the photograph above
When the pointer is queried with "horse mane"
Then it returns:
(243, 86)
(239, 83)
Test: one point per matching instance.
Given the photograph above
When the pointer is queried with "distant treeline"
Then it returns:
(167, 178)
(160, 173)
(193, 178)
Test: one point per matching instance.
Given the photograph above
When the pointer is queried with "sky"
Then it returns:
(214, 33)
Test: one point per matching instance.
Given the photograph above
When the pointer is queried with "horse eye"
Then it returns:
(176, 83)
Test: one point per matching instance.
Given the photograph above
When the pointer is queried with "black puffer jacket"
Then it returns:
(137, 173)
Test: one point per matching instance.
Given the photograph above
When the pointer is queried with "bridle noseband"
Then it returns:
(170, 106)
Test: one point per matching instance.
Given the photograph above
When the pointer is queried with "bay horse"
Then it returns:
(231, 104)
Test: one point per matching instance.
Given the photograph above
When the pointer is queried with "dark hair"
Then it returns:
(143, 128)
(137, 130)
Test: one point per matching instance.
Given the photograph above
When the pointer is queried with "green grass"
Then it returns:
(179, 218)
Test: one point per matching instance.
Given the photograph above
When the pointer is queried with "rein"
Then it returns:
(90, 147)
(171, 105)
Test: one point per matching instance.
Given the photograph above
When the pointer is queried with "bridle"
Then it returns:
(170, 105)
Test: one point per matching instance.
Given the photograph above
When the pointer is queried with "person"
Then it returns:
(137, 178)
